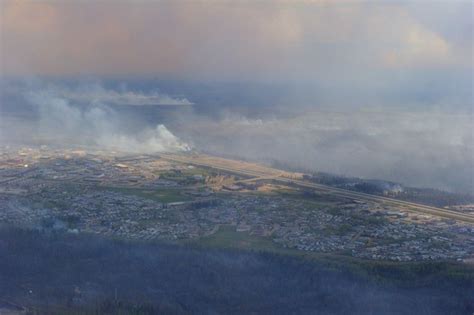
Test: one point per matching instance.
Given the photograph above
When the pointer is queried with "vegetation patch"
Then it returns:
(165, 195)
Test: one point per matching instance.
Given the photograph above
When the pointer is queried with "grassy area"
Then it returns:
(185, 173)
(200, 171)
(160, 195)
(228, 237)
(397, 272)
(320, 199)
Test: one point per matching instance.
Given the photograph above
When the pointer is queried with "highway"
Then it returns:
(277, 176)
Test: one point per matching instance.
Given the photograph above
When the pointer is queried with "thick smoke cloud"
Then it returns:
(279, 39)
(95, 93)
(97, 124)
(424, 147)
(419, 148)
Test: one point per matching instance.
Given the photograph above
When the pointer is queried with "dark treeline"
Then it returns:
(427, 196)
(84, 274)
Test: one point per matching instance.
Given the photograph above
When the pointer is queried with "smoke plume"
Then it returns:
(97, 124)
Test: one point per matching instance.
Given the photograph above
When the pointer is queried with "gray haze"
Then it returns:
(377, 89)
(433, 149)
(67, 118)
(425, 148)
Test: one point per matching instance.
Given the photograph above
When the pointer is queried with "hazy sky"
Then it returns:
(320, 61)
(237, 40)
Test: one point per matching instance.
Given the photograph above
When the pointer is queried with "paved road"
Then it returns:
(408, 206)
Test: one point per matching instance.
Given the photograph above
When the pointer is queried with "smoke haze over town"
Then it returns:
(255, 139)
(341, 88)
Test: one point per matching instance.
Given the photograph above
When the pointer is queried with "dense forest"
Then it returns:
(427, 196)
(51, 273)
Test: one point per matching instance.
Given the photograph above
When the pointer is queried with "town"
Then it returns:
(149, 198)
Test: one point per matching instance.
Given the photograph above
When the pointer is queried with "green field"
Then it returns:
(228, 237)
(395, 272)
(161, 195)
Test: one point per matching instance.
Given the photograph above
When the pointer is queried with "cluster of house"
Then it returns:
(80, 194)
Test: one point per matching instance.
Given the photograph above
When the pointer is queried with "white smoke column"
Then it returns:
(96, 93)
(96, 125)
(158, 140)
